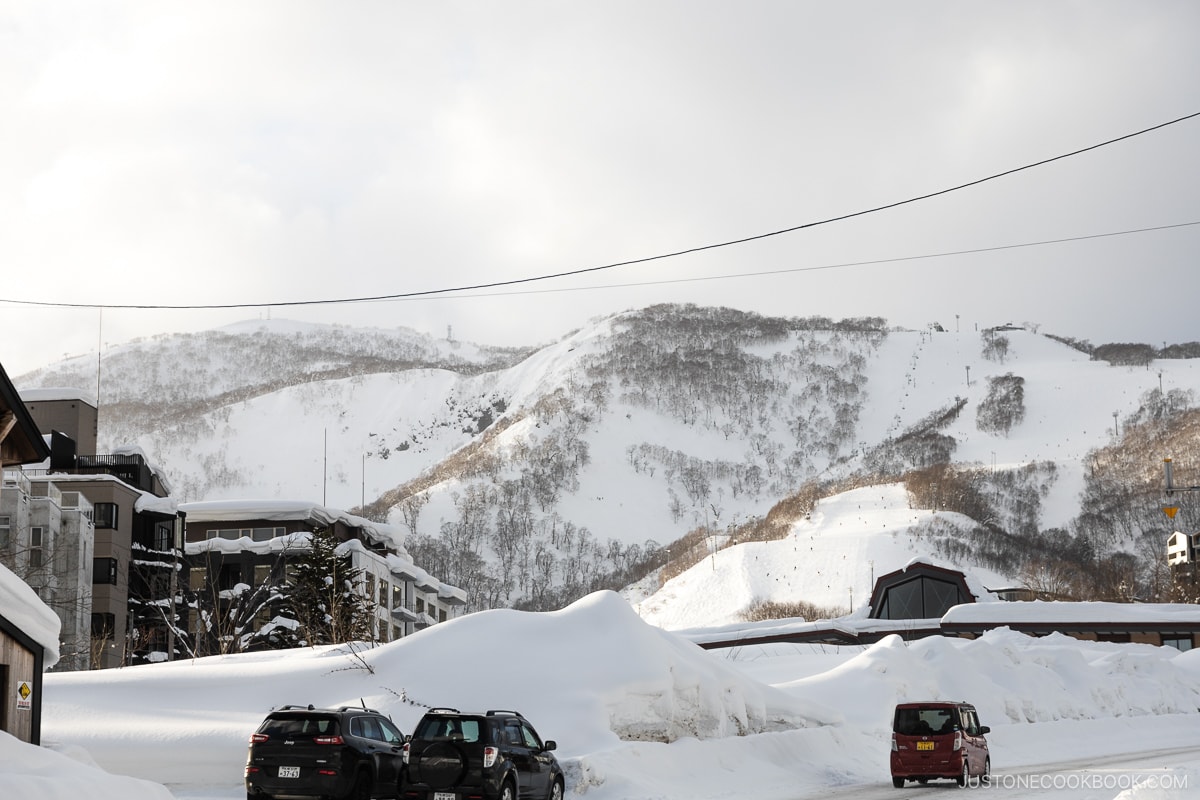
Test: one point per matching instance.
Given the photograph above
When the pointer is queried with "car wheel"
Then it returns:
(508, 792)
(556, 791)
(964, 780)
(897, 782)
(361, 790)
(986, 778)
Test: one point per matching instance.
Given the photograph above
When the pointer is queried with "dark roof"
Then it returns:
(24, 443)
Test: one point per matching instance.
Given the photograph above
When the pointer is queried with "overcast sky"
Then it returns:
(242, 153)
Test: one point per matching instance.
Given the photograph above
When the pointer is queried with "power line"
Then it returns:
(659, 257)
(840, 265)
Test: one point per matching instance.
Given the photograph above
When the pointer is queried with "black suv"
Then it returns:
(347, 753)
(492, 756)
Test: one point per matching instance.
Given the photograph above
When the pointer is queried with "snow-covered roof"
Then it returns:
(51, 393)
(1049, 612)
(20, 605)
(285, 510)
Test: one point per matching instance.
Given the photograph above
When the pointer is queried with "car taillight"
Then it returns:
(258, 738)
(251, 770)
(958, 741)
(404, 751)
(894, 745)
(328, 740)
(489, 756)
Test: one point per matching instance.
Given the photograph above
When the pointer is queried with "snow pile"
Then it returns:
(27, 772)
(21, 606)
(642, 683)
(589, 676)
(1013, 678)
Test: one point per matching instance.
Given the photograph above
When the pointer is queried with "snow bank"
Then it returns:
(36, 772)
(20, 605)
(1011, 678)
(588, 676)
(598, 661)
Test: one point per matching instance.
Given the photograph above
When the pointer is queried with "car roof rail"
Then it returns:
(291, 707)
(358, 708)
(443, 711)
(494, 711)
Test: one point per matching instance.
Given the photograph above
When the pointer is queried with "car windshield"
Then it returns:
(299, 727)
(454, 729)
(923, 721)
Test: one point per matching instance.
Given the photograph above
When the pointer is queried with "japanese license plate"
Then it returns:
(924, 745)
(445, 796)
(289, 772)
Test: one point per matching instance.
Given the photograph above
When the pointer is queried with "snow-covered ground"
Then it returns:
(596, 678)
(641, 712)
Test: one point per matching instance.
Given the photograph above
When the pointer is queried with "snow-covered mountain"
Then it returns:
(537, 475)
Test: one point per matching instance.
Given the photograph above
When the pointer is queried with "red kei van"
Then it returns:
(938, 739)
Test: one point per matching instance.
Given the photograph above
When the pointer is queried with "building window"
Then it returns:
(229, 576)
(254, 534)
(104, 570)
(921, 597)
(196, 578)
(1178, 642)
(5, 532)
(36, 553)
(163, 534)
(105, 515)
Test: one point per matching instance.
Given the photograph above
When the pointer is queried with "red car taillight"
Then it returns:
(958, 741)
(489, 756)
(258, 738)
(895, 747)
(328, 740)
(404, 751)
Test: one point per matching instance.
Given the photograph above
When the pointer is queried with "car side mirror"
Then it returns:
(984, 729)
(549, 744)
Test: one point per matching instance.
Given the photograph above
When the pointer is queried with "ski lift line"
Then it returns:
(586, 270)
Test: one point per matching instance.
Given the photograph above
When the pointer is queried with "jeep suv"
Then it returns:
(347, 753)
(938, 739)
(492, 756)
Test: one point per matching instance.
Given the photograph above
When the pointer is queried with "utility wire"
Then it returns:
(819, 267)
(659, 257)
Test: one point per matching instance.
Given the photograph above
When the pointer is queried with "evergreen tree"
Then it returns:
(323, 596)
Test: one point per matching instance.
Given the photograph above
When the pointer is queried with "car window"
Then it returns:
(299, 727)
(448, 729)
(923, 721)
(531, 738)
(389, 733)
(366, 727)
(512, 733)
